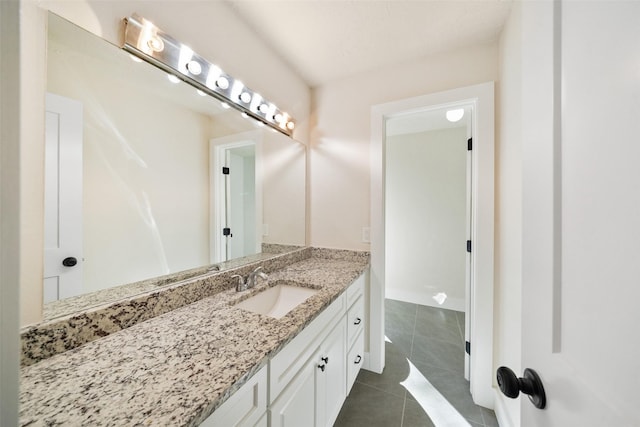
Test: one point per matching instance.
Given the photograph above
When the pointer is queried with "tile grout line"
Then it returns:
(413, 332)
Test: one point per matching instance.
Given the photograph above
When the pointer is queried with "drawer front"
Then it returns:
(355, 359)
(356, 290)
(288, 362)
(355, 320)
(246, 407)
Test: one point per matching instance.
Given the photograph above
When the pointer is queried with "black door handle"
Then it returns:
(69, 261)
(357, 321)
(511, 386)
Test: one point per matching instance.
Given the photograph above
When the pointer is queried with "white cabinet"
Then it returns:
(246, 407)
(331, 391)
(295, 406)
(355, 331)
(310, 377)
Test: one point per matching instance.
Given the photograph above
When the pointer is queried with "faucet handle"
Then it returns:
(241, 285)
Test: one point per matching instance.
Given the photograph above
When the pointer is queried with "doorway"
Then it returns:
(236, 209)
(480, 319)
(428, 210)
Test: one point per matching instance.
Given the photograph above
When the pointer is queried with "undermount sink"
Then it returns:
(276, 301)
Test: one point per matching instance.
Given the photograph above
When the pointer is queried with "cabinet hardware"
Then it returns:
(358, 359)
(357, 321)
(325, 359)
(321, 367)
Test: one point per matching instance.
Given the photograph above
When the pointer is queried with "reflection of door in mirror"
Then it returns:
(63, 199)
(241, 201)
(236, 210)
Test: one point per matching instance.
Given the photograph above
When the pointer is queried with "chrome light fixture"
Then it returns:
(146, 41)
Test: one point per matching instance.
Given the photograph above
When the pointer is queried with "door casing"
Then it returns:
(481, 97)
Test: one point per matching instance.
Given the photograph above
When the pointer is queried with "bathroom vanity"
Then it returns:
(213, 363)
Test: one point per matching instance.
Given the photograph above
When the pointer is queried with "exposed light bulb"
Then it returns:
(278, 117)
(291, 125)
(455, 115)
(263, 108)
(245, 97)
(222, 83)
(194, 67)
(156, 44)
(173, 79)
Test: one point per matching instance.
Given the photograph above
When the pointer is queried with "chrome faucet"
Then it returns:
(251, 280)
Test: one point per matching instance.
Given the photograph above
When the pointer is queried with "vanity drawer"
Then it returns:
(355, 359)
(284, 366)
(246, 407)
(355, 321)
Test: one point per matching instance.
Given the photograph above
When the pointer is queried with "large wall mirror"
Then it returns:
(135, 187)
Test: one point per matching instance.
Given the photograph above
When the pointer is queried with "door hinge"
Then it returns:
(469, 246)
(467, 347)
(227, 232)
(225, 170)
(469, 144)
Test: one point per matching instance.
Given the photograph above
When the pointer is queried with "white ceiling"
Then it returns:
(324, 40)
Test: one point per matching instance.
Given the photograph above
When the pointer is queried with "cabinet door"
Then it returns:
(245, 407)
(331, 385)
(296, 405)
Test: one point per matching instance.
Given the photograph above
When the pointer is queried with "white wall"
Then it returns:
(426, 217)
(208, 27)
(284, 185)
(340, 135)
(508, 256)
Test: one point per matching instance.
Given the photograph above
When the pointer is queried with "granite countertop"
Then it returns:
(177, 368)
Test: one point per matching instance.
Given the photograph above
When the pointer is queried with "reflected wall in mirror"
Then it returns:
(148, 183)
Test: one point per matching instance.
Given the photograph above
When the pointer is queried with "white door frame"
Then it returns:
(217, 149)
(481, 97)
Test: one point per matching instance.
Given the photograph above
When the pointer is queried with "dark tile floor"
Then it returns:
(424, 369)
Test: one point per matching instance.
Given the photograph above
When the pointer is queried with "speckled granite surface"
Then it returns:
(176, 368)
(66, 332)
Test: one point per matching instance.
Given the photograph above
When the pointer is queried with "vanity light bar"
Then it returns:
(144, 40)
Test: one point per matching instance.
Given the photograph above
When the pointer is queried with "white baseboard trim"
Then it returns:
(457, 304)
(504, 420)
(366, 363)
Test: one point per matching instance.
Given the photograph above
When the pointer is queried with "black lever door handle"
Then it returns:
(69, 261)
(511, 386)
(357, 321)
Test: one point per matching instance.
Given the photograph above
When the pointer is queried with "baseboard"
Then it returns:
(457, 304)
(504, 420)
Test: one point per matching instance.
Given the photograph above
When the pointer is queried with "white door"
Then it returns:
(581, 214)
(63, 199)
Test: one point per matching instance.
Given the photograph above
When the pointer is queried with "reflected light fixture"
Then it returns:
(173, 79)
(144, 40)
(455, 115)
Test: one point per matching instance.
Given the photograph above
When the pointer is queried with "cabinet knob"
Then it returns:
(325, 359)
(357, 321)
(358, 359)
(321, 367)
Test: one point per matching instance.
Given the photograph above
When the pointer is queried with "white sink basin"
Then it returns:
(277, 300)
